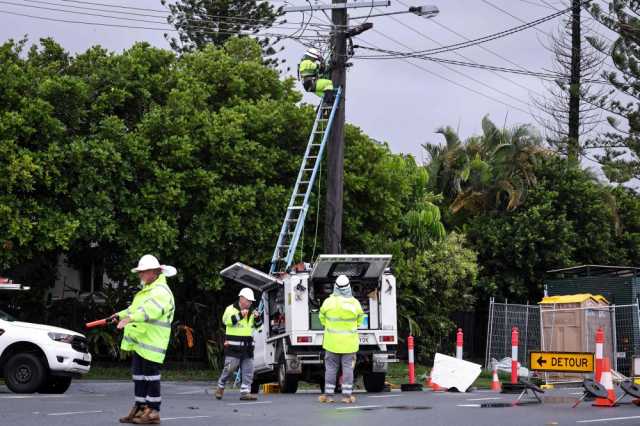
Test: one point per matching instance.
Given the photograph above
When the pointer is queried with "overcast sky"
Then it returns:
(390, 100)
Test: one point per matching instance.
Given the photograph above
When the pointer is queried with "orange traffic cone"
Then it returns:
(607, 381)
(495, 383)
(437, 388)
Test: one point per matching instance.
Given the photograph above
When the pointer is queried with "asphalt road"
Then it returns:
(192, 404)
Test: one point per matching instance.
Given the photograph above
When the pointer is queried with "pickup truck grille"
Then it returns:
(80, 344)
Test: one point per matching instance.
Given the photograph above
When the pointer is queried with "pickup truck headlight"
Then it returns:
(61, 337)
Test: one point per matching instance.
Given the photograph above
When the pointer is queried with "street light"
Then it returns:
(424, 11)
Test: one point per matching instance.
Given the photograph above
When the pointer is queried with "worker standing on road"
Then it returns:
(341, 314)
(147, 328)
(238, 346)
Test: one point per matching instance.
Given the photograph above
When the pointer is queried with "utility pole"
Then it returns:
(573, 145)
(335, 148)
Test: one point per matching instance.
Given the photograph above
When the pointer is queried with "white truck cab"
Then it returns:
(39, 358)
(288, 347)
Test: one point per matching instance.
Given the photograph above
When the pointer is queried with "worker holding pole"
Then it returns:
(341, 314)
(147, 329)
(313, 72)
(238, 346)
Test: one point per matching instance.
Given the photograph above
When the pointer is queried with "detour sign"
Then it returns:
(566, 362)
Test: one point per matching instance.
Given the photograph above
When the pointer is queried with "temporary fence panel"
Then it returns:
(572, 328)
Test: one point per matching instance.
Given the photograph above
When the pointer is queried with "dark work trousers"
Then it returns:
(146, 381)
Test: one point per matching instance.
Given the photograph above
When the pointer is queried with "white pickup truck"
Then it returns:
(39, 358)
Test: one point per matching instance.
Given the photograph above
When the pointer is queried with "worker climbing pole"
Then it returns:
(314, 70)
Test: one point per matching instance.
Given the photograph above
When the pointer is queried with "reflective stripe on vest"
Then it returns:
(144, 345)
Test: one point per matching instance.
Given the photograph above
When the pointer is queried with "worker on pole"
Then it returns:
(147, 329)
(314, 73)
(238, 346)
(341, 314)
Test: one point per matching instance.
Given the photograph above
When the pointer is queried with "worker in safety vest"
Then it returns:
(314, 73)
(310, 68)
(147, 328)
(340, 315)
(240, 322)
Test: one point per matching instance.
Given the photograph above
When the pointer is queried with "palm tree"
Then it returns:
(492, 171)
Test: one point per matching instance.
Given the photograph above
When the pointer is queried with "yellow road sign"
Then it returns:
(566, 362)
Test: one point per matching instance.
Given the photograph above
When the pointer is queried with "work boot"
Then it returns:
(349, 399)
(136, 411)
(149, 417)
(326, 398)
(219, 393)
(248, 397)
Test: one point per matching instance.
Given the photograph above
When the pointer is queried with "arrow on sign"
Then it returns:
(541, 361)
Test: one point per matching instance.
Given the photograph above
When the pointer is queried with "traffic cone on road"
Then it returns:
(495, 382)
(437, 388)
(606, 380)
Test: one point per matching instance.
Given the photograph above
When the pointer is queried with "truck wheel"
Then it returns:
(24, 373)
(55, 385)
(288, 382)
(374, 382)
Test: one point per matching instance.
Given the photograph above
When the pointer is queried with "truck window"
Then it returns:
(6, 317)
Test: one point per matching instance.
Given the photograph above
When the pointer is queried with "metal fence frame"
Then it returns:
(625, 332)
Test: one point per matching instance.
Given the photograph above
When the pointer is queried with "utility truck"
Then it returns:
(288, 346)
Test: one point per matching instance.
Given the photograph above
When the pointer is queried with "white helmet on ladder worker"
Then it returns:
(312, 52)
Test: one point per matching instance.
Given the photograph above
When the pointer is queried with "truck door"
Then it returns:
(259, 282)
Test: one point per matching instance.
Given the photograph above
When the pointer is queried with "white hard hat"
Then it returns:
(247, 293)
(342, 281)
(314, 53)
(148, 262)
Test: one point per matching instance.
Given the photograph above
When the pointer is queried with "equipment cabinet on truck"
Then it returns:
(288, 347)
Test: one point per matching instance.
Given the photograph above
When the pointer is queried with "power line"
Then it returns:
(217, 21)
(486, 49)
(396, 55)
(495, 36)
(458, 72)
(168, 11)
(421, 34)
(104, 24)
(455, 83)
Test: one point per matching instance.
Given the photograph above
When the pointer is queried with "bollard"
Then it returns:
(514, 355)
(412, 369)
(599, 353)
(459, 341)
(412, 385)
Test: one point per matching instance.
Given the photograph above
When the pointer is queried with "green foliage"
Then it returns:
(491, 172)
(621, 158)
(110, 156)
(568, 219)
(203, 22)
(432, 286)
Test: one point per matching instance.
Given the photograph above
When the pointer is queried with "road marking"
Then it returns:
(576, 393)
(359, 407)
(483, 399)
(191, 392)
(469, 405)
(610, 419)
(30, 396)
(383, 396)
(164, 419)
(250, 403)
(70, 413)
